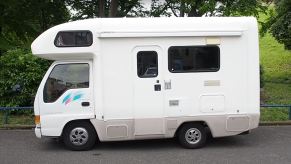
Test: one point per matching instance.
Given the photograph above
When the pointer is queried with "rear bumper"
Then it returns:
(234, 124)
(37, 132)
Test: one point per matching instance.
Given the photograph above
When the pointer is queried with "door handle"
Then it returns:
(85, 103)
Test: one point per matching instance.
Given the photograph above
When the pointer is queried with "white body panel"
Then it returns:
(124, 106)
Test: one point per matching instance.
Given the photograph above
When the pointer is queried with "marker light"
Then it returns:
(37, 119)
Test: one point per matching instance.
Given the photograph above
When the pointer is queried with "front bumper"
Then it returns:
(37, 132)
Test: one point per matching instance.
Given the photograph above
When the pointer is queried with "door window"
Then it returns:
(147, 64)
(64, 77)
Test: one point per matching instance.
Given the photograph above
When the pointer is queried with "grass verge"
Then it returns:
(276, 62)
(17, 119)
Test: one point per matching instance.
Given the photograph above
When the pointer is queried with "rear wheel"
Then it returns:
(192, 136)
(79, 136)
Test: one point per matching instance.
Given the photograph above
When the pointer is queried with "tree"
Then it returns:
(83, 9)
(23, 20)
(279, 23)
(198, 8)
(24, 69)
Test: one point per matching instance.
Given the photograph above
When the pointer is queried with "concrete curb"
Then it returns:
(7, 127)
(275, 123)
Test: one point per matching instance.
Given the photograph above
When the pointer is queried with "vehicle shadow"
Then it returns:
(159, 144)
(152, 144)
(50, 144)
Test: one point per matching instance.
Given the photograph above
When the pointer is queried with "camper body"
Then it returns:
(144, 78)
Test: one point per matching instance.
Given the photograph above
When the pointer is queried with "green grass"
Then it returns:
(274, 114)
(17, 119)
(276, 93)
(276, 62)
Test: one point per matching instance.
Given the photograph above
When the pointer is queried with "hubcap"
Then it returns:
(193, 135)
(79, 136)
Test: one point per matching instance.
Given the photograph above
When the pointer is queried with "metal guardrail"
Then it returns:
(278, 106)
(17, 108)
(8, 109)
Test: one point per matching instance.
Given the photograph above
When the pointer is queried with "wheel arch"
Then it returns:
(203, 123)
(79, 120)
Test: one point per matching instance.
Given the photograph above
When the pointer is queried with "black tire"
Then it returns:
(80, 134)
(194, 141)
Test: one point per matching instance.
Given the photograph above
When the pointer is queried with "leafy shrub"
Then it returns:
(20, 67)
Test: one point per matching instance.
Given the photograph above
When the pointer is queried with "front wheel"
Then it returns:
(79, 136)
(192, 136)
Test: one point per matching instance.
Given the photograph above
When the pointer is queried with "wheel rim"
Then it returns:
(79, 136)
(193, 135)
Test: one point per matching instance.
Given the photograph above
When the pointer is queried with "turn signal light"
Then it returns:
(37, 119)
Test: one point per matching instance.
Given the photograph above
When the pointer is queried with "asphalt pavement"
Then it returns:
(265, 145)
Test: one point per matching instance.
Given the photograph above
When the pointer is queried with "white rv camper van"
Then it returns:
(143, 78)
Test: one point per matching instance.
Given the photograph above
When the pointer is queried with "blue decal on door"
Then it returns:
(67, 98)
(78, 96)
(70, 97)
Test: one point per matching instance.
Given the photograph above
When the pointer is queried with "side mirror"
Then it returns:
(16, 88)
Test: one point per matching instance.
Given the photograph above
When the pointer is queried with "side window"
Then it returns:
(74, 39)
(194, 59)
(147, 64)
(64, 77)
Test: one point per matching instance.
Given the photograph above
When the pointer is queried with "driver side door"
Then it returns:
(67, 95)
